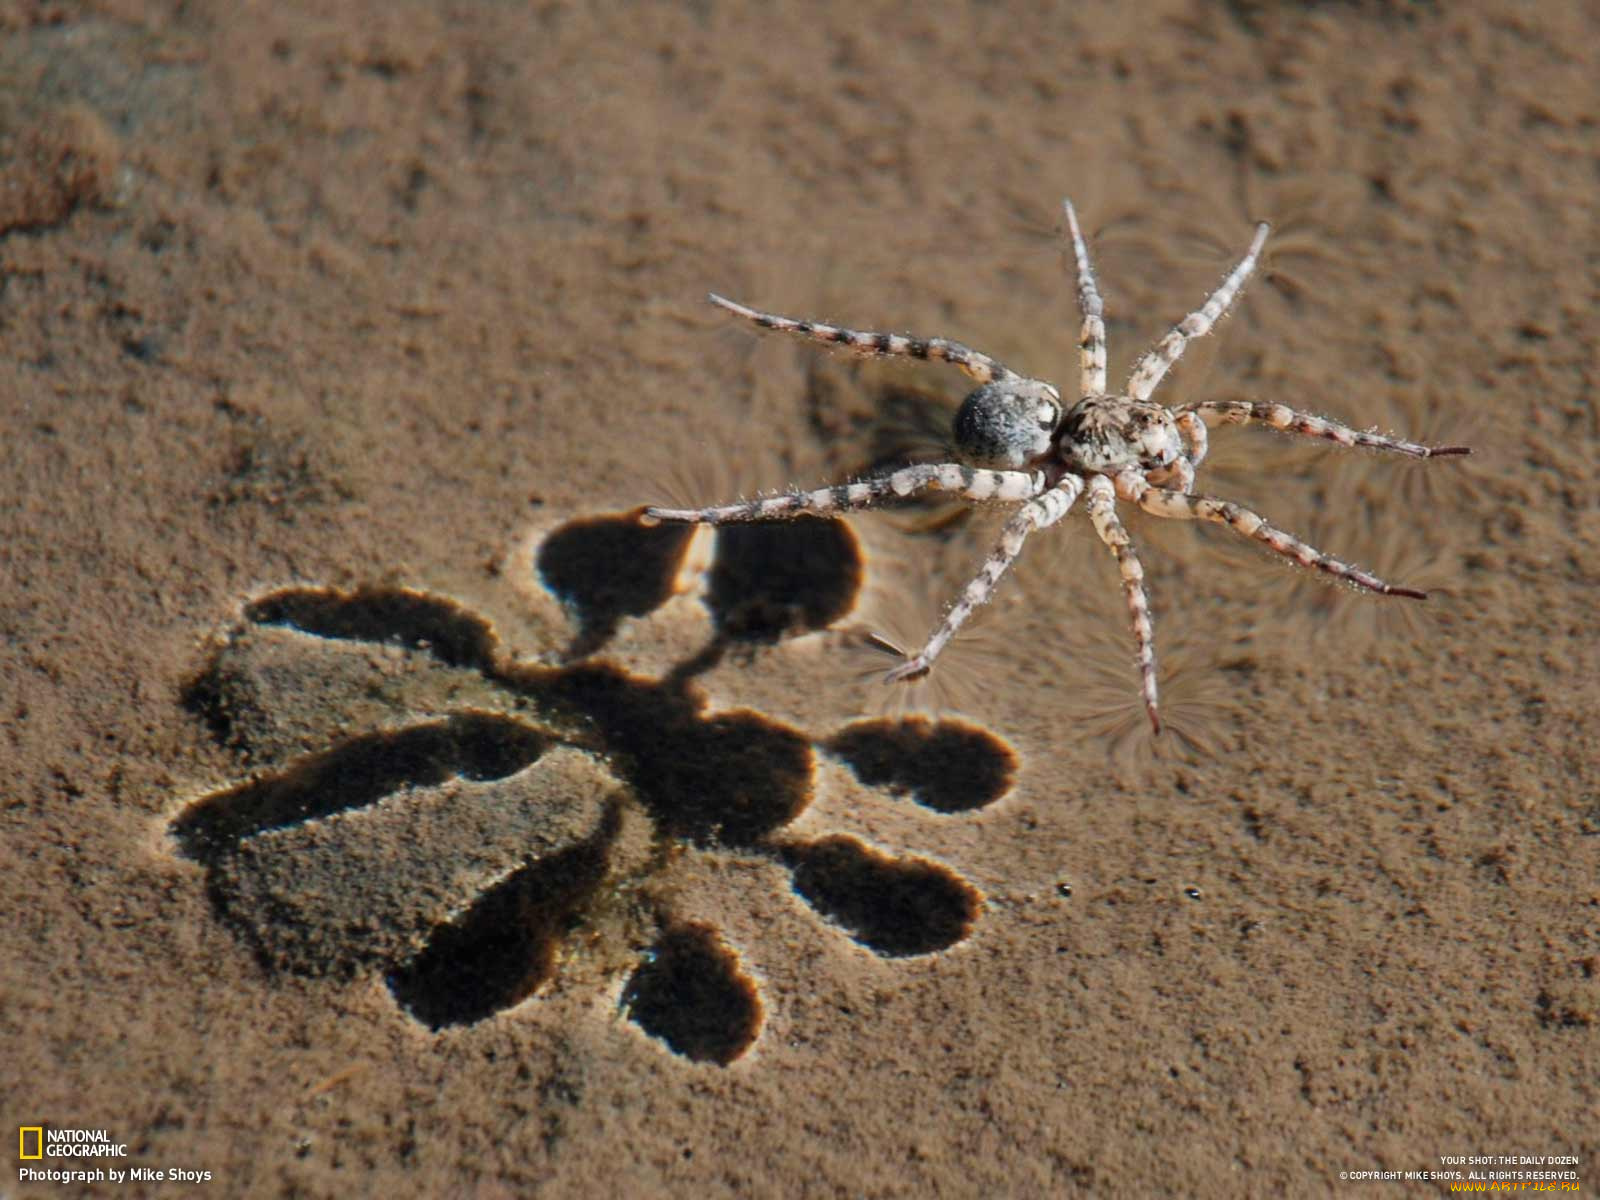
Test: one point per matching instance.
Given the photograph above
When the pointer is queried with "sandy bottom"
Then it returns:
(388, 812)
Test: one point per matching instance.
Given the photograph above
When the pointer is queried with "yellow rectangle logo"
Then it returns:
(38, 1141)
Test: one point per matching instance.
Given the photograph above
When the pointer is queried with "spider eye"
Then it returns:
(1048, 414)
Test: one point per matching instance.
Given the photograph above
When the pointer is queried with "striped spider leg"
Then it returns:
(1014, 441)
(1194, 418)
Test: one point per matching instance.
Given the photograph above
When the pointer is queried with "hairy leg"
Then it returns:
(970, 483)
(1248, 412)
(1101, 500)
(1162, 502)
(1038, 513)
(977, 366)
(1153, 367)
(1092, 340)
(1195, 430)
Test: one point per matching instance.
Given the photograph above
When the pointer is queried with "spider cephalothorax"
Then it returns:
(1112, 433)
(1017, 444)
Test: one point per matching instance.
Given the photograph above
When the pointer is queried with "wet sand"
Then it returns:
(388, 812)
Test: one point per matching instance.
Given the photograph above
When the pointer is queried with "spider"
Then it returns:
(1017, 442)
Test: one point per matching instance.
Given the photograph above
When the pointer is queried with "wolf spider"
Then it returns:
(1017, 442)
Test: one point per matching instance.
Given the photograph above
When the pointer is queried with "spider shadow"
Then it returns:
(766, 582)
(732, 780)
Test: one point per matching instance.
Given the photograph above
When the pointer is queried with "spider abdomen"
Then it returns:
(1107, 434)
(1007, 424)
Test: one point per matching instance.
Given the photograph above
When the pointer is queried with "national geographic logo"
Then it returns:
(36, 1142)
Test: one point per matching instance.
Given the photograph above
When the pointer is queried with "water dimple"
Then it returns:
(503, 948)
(692, 994)
(769, 581)
(948, 766)
(418, 620)
(611, 567)
(893, 906)
(357, 773)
